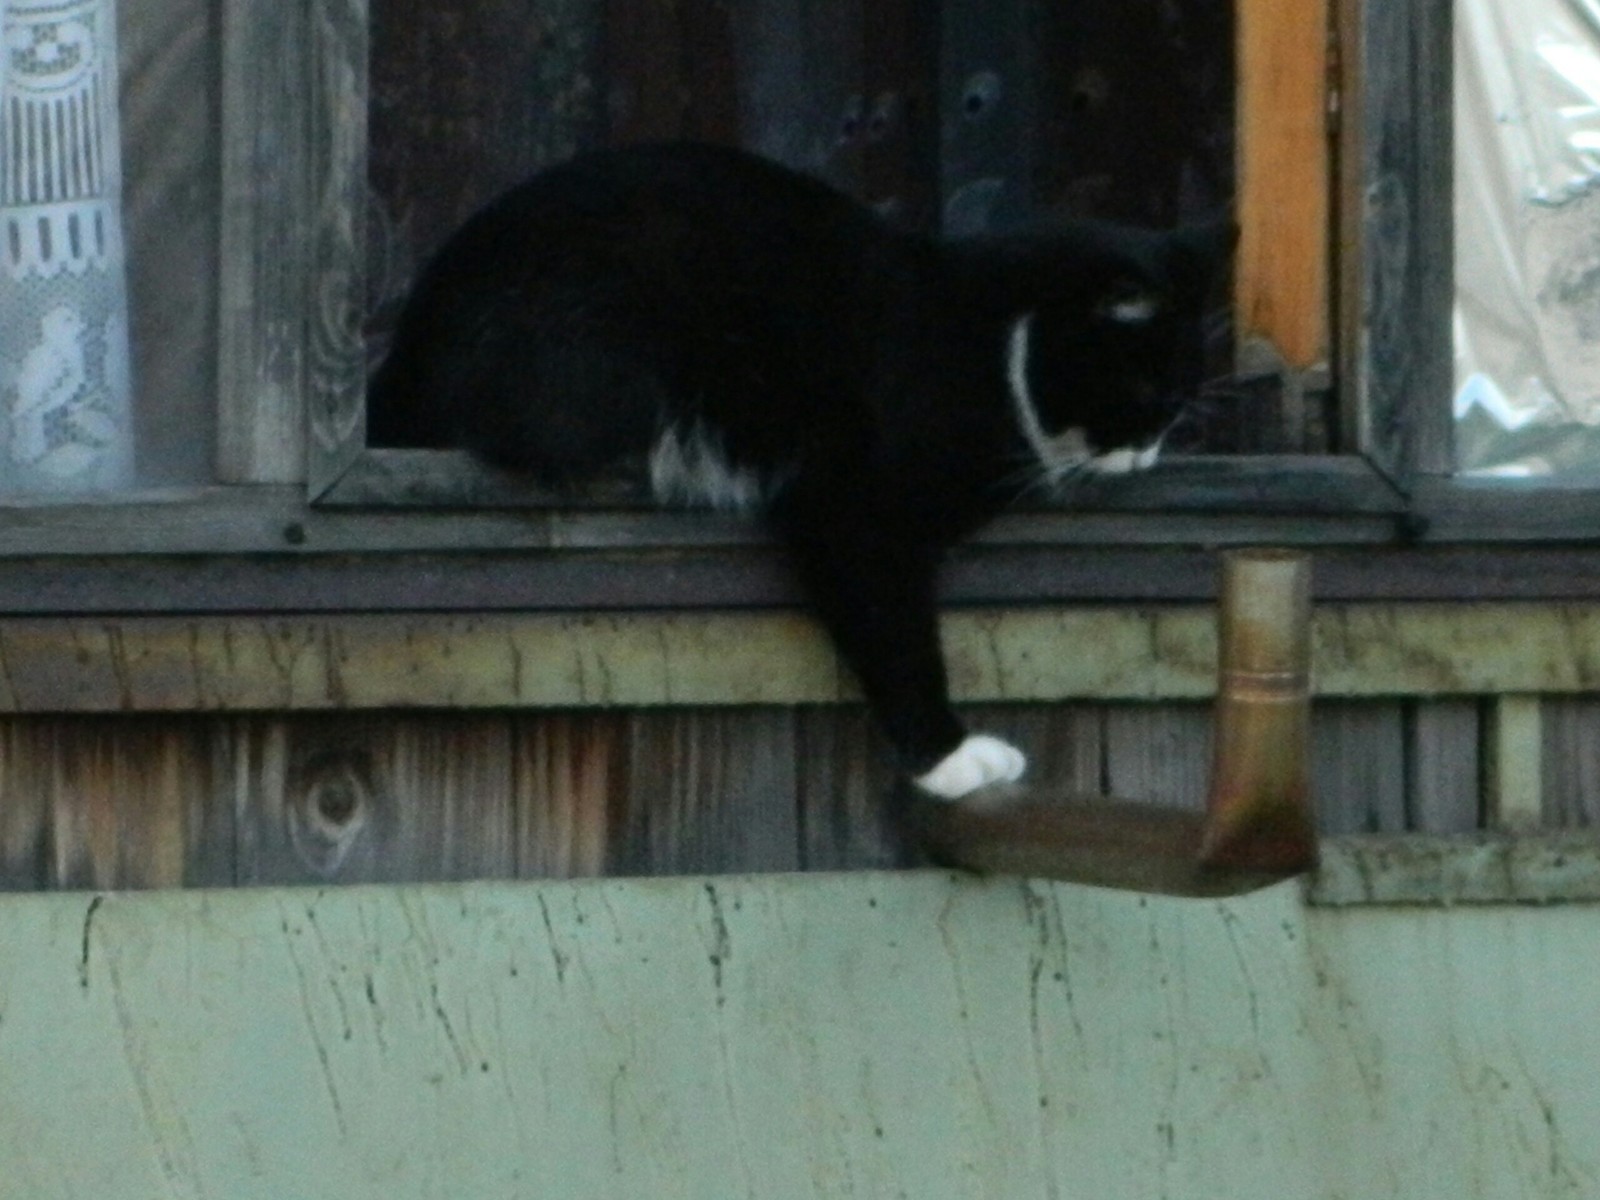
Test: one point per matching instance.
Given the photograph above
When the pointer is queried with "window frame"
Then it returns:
(292, 357)
(297, 483)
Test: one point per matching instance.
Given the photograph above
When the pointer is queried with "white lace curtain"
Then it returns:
(65, 405)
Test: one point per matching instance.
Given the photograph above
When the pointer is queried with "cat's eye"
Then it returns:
(1130, 307)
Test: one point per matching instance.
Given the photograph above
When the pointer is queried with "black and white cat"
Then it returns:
(758, 340)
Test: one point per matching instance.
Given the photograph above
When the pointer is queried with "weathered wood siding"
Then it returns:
(170, 83)
(152, 801)
(786, 1037)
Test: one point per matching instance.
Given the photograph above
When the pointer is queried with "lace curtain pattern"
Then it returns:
(65, 403)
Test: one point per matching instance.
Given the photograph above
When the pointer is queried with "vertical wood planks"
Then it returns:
(843, 782)
(125, 801)
(1358, 759)
(1065, 743)
(571, 774)
(710, 790)
(1399, 228)
(846, 781)
(25, 802)
(1570, 757)
(110, 802)
(1158, 753)
(291, 361)
(169, 67)
(1444, 766)
(1281, 274)
(335, 299)
(265, 256)
(352, 799)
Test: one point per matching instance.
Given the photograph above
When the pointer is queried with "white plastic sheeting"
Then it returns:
(1527, 210)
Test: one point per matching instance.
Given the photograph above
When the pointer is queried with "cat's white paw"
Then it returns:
(1126, 460)
(979, 760)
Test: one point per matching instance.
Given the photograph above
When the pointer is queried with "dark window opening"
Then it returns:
(966, 117)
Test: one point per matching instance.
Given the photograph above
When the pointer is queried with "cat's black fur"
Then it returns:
(861, 386)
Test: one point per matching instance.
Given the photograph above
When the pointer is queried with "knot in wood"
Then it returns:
(331, 808)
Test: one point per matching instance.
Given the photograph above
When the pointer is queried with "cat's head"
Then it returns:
(1112, 344)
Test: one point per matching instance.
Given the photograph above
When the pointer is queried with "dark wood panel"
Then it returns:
(1135, 109)
(895, 145)
(128, 802)
(266, 258)
(464, 103)
(670, 71)
(989, 97)
(381, 797)
(1444, 766)
(1256, 484)
(572, 774)
(1358, 757)
(1402, 222)
(111, 803)
(753, 577)
(1571, 762)
(844, 783)
(709, 790)
(464, 106)
(1158, 753)
(168, 60)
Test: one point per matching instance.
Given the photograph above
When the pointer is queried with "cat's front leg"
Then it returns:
(877, 599)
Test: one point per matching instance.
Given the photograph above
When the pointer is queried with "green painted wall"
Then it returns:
(784, 1036)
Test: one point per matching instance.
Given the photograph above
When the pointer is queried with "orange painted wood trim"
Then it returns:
(1281, 282)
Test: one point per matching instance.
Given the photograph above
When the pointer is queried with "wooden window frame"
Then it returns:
(306, 517)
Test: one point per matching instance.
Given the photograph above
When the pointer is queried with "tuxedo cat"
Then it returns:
(753, 339)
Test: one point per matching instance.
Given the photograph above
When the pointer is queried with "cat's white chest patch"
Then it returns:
(978, 761)
(691, 467)
(1058, 454)
(1062, 453)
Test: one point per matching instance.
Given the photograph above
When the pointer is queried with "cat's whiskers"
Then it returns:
(1031, 478)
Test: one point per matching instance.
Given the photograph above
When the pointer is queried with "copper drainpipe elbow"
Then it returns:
(1258, 809)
